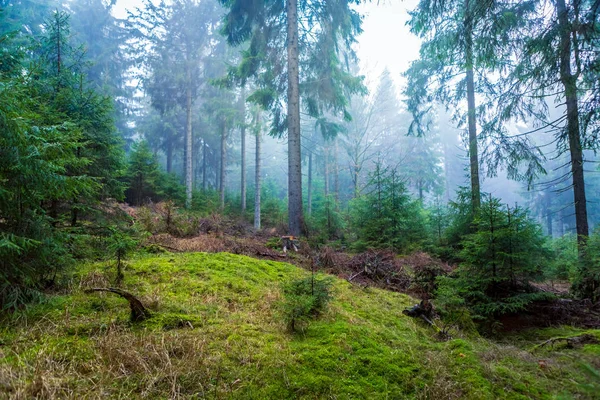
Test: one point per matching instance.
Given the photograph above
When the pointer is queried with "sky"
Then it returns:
(386, 41)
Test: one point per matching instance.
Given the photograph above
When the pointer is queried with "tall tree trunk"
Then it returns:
(473, 158)
(169, 151)
(569, 82)
(310, 178)
(257, 176)
(223, 163)
(326, 170)
(204, 165)
(188, 142)
(243, 137)
(293, 120)
(336, 178)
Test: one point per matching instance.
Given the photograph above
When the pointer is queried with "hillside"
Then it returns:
(216, 333)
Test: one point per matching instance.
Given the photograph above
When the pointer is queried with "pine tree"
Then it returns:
(469, 39)
(500, 259)
(314, 56)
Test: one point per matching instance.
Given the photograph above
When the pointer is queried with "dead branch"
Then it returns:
(571, 342)
(138, 311)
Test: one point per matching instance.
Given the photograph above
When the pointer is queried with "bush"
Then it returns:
(305, 299)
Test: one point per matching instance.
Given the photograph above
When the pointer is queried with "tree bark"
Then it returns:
(326, 170)
(188, 142)
(310, 178)
(473, 158)
(169, 152)
(223, 163)
(204, 164)
(257, 176)
(569, 82)
(336, 180)
(293, 121)
(243, 137)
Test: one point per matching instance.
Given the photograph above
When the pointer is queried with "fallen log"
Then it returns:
(138, 311)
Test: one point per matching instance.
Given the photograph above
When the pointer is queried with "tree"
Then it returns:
(142, 175)
(173, 40)
(311, 54)
(470, 39)
(55, 143)
(387, 217)
(257, 178)
(557, 56)
(104, 38)
(500, 260)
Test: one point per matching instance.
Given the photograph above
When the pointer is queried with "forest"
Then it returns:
(247, 199)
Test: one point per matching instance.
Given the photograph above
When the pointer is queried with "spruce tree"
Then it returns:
(312, 54)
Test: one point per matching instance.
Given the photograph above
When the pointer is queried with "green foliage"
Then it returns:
(120, 245)
(387, 217)
(147, 182)
(506, 252)
(326, 222)
(563, 262)
(587, 278)
(59, 158)
(304, 299)
(452, 307)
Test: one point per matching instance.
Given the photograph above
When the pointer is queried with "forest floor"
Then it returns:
(216, 332)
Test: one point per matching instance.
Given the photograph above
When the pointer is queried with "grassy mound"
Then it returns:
(216, 333)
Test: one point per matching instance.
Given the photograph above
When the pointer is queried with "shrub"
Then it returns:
(305, 299)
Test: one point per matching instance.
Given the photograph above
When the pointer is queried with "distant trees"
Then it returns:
(557, 56)
(172, 43)
(468, 39)
(312, 55)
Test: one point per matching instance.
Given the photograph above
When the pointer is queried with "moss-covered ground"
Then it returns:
(216, 333)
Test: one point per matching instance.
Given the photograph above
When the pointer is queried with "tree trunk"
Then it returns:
(473, 158)
(204, 164)
(188, 142)
(336, 180)
(569, 82)
(169, 152)
(223, 163)
(310, 167)
(243, 137)
(257, 176)
(293, 120)
(326, 170)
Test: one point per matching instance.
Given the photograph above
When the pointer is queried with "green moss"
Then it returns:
(215, 332)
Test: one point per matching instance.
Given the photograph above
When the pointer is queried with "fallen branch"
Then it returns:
(355, 275)
(571, 342)
(138, 311)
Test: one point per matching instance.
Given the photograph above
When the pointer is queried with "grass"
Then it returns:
(216, 332)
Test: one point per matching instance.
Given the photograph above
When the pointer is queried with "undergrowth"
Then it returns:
(216, 332)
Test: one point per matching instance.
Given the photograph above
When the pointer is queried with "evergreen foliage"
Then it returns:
(387, 217)
(59, 157)
(506, 253)
(586, 284)
(304, 299)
